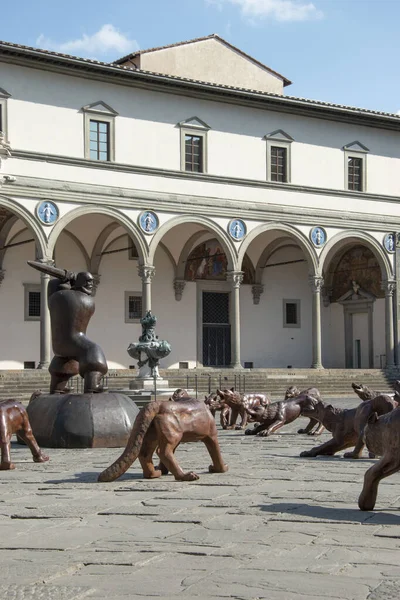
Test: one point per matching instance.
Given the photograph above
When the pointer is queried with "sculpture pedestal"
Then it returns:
(102, 420)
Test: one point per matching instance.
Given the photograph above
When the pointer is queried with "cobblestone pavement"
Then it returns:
(276, 526)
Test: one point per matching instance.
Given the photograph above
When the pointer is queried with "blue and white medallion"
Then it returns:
(237, 229)
(318, 236)
(389, 242)
(47, 212)
(148, 221)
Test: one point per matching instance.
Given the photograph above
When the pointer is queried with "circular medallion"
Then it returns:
(318, 236)
(237, 229)
(389, 242)
(148, 221)
(47, 212)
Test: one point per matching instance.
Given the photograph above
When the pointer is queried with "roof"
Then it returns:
(112, 72)
(202, 39)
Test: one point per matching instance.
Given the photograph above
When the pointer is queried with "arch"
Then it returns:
(29, 220)
(208, 224)
(114, 214)
(96, 256)
(342, 240)
(167, 252)
(300, 238)
(184, 255)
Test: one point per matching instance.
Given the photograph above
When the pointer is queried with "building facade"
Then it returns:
(258, 227)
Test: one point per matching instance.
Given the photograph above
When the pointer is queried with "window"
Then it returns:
(31, 302)
(291, 313)
(278, 156)
(3, 115)
(133, 307)
(99, 140)
(193, 153)
(355, 155)
(99, 125)
(278, 164)
(194, 145)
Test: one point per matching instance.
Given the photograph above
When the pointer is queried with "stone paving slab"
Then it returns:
(275, 526)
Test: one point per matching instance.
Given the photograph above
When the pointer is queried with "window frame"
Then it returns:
(28, 288)
(355, 150)
(99, 112)
(126, 306)
(285, 302)
(3, 114)
(279, 139)
(194, 127)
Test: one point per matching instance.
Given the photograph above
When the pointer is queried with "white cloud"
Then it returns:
(105, 41)
(280, 10)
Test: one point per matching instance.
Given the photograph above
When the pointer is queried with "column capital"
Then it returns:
(96, 283)
(146, 272)
(389, 286)
(179, 286)
(316, 283)
(257, 289)
(45, 260)
(236, 277)
(2, 275)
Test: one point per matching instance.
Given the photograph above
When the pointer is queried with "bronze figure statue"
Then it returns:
(71, 307)
(150, 346)
(382, 436)
(14, 419)
(162, 426)
(274, 416)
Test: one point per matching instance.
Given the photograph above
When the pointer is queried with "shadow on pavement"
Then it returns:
(332, 514)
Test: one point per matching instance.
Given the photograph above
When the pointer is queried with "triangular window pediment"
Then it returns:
(194, 122)
(4, 94)
(356, 294)
(279, 136)
(356, 147)
(100, 107)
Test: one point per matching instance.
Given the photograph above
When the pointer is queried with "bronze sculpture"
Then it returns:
(214, 404)
(149, 345)
(274, 416)
(238, 402)
(163, 425)
(71, 307)
(382, 435)
(94, 418)
(313, 427)
(14, 419)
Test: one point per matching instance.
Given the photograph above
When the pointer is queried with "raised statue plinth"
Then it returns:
(61, 419)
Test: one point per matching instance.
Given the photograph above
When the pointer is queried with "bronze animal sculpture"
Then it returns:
(340, 422)
(178, 394)
(162, 425)
(238, 403)
(214, 404)
(382, 436)
(14, 419)
(313, 427)
(379, 405)
(71, 307)
(274, 416)
(364, 392)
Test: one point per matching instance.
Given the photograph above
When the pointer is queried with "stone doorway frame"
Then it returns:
(355, 302)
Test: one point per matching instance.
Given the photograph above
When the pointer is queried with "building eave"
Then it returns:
(111, 73)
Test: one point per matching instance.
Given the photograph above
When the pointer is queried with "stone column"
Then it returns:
(389, 286)
(146, 273)
(45, 325)
(236, 278)
(397, 299)
(316, 284)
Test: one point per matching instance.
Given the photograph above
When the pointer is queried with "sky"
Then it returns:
(340, 51)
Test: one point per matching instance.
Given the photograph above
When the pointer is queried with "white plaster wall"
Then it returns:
(379, 333)
(147, 134)
(265, 341)
(68, 255)
(210, 60)
(20, 339)
(332, 334)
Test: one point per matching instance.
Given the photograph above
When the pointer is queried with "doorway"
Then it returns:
(216, 329)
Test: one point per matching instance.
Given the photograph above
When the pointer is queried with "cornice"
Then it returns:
(128, 198)
(204, 177)
(73, 66)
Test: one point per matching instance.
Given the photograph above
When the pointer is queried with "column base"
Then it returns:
(236, 366)
(317, 366)
(43, 365)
